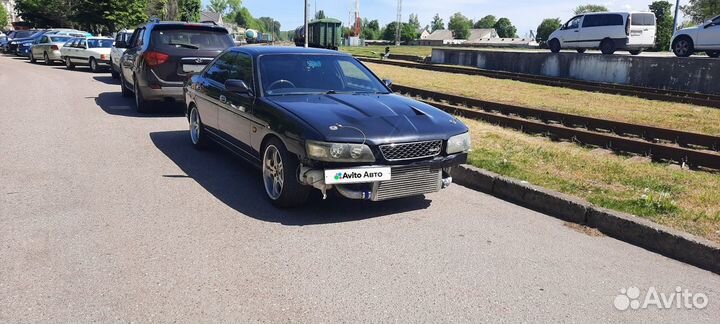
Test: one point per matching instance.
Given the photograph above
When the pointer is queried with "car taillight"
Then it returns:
(54, 47)
(155, 58)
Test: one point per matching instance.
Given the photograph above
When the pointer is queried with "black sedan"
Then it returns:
(312, 118)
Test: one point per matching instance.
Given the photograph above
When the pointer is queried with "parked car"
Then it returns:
(21, 37)
(21, 46)
(161, 55)
(69, 32)
(607, 31)
(12, 35)
(315, 118)
(92, 51)
(705, 37)
(123, 37)
(48, 48)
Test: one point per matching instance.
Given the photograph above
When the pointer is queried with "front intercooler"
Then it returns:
(408, 181)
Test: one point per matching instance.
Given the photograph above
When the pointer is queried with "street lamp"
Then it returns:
(675, 22)
(306, 24)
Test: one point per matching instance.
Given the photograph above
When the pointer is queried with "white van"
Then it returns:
(607, 31)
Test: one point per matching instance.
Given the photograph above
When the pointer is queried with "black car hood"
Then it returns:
(383, 118)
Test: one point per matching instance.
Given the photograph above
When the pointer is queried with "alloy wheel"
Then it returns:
(273, 172)
(682, 47)
(194, 126)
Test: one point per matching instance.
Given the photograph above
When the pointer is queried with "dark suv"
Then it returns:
(160, 55)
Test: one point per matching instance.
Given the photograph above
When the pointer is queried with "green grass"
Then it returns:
(375, 51)
(682, 199)
(599, 105)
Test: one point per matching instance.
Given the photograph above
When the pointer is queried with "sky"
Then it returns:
(526, 15)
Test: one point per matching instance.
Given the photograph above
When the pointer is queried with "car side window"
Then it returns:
(82, 43)
(219, 71)
(75, 42)
(574, 23)
(242, 68)
(716, 22)
(44, 40)
(137, 38)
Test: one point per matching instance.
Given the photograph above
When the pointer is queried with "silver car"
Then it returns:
(48, 48)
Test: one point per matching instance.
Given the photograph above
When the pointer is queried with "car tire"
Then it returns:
(93, 65)
(141, 105)
(713, 54)
(113, 71)
(197, 130)
(581, 50)
(69, 64)
(46, 59)
(32, 58)
(554, 45)
(124, 88)
(683, 46)
(607, 47)
(279, 176)
(635, 52)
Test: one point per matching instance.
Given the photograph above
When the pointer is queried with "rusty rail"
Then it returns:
(708, 100)
(695, 150)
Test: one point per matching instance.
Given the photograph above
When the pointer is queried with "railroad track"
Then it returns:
(698, 151)
(641, 92)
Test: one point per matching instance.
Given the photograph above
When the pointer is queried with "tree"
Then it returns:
(269, 24)
(488, 21)
(157, 8)
(505, 28)
(701, 10)
(460, 26)
(546, 28)
(189, 10)
(590, 8)
(218, 6)
(45, 13)
(407, 32)
(320, 14)
(3, 17)
(437, 23)
(414, 21)
(370, 29)
(663, 12)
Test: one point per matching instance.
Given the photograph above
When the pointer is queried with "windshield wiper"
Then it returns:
(185, 45)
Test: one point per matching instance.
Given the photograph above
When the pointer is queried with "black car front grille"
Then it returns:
(411, 151)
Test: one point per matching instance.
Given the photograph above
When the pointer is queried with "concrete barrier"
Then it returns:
(700, 75)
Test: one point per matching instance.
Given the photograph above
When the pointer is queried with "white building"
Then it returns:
(9, 6)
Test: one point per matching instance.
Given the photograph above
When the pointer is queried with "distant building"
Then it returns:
(478, 34)
(210, 16)
(423, 33)
(445, 37)
(9, 6)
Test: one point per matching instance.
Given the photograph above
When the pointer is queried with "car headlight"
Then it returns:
(25, 44)
(339, 152)
(459, 143)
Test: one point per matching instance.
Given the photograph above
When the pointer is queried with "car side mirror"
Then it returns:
(121, 44)
(388, 83)
(237, 86)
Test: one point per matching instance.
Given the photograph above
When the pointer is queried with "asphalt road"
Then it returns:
(106, 215)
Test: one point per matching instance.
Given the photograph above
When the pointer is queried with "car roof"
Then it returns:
(261, 50)
(616, 12)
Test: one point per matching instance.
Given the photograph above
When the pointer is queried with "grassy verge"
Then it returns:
(613, 107)
(375, 51)
(681, 199)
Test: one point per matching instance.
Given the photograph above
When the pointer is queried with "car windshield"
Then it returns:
(99, 43)
(192, 39)
(58, 39)
(24, 33)
(290, 74)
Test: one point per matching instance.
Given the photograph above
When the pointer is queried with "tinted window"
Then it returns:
(603, 20)
(23, 34)
(284, 74)
(99, 43)
(220, 70)
(138, 37)
(191, 39)
(716, 21)
(242, 68)
(643, 19)
(58, 39)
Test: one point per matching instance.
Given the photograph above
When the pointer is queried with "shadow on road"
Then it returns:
(107, 79)
(114, 103)
(238, 185)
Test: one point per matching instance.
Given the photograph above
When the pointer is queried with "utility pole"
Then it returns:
(398, 23)
(677, 17)
(306, 24)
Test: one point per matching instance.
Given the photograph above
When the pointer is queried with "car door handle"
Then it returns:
(223, 99)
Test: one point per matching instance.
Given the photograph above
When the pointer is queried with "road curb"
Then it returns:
(674, 244)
